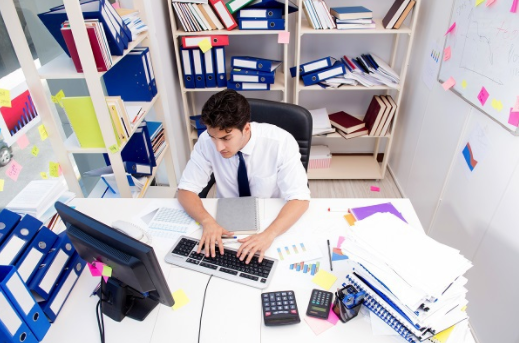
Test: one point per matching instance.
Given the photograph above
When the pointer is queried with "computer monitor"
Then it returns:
(137, 283)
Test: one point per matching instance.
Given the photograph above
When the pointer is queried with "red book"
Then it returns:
(224, 14)
(346, 122)
(358, 133)
(374, 114)
(94, 43)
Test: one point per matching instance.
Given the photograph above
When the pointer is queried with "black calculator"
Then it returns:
(279, 308)
(319, 305)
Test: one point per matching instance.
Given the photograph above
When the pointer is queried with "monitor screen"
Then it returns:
(137, 283)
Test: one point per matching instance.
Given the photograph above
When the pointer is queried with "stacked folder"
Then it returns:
(252, 73)
(197, 124)
(315, 72)
(412, 282)
(369, 70)
(157, 137)
(132, 78)
(118, 34)
(37, 259)
(204, 70)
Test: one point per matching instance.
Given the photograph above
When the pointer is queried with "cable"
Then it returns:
(202, 312)
(100, 320)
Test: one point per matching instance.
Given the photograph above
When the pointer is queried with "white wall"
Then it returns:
(473, 212)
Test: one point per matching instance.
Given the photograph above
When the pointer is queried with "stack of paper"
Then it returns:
(417, 277)
(321, 122)
(370, 70)
(38, 197)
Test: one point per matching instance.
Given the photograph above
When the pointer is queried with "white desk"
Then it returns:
(232, 312)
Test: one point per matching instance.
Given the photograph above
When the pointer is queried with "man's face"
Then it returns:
(229, 143)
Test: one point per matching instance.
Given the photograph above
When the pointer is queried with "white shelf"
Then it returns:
(347, 167)
(302, 87)
(154, 171)
(72, 146)
(336, 135)
(236, 32)
(379, 29)
(62, 66)
(278, 85)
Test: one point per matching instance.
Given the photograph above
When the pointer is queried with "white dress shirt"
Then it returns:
(273, 161)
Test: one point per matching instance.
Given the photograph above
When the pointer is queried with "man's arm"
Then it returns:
(212, 232)
(289, 214)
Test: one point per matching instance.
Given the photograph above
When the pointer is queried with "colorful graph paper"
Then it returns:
(305, 268)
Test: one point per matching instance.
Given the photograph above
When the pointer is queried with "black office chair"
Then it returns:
(292, 118)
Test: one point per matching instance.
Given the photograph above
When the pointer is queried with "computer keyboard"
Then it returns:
(226, 266)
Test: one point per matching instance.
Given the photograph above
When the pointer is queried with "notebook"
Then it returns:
(238, 215)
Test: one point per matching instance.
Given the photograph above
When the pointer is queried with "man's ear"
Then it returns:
(246, 128)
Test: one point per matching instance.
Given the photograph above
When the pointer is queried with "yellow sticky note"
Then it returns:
(113, 148)
(180, 298)
(479, 2)
(497, 104)
(350, 219)
(107, 271)
(324, 279)
(57, 98)
(464, 84)
(205, 45)
(43, 132)
(54, 169)
(35, 151)
(44, 175)
(1, 185)
(5, 98)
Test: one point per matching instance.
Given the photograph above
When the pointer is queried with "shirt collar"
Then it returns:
(247, 149)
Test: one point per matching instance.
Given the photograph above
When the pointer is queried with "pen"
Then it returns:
(329, 254)
(233, 237)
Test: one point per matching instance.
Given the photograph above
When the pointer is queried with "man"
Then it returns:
(247, 159)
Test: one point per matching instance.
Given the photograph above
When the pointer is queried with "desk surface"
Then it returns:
(232, 312)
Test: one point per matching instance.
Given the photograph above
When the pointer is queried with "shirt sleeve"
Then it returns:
(198, 169)
(292, 178)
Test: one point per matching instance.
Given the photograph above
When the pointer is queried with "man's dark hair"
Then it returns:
(226, 110)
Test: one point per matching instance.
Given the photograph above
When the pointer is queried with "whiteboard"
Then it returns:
(484, 54)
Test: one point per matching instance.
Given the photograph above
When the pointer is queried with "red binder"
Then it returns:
(224, 14)
(192, 41)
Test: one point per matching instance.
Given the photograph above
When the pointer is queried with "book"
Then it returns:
(385, 128)
(358, 133)
(374, 114)
(37, 197)
(385, 115)
(346, 122)
(349, 26)
(321, 122)
(351, 12)
(394, 13)
(82, 116)
(404, 14)
(238, 215)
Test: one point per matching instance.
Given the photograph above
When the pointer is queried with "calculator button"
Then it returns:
(283, 293)
(293, 311)
(292, 307)
(285, 307)
(284, 298)
(273, 308)
(263, 280)
(291, 302)
(267, 314)
(267, 308)
(279, 303)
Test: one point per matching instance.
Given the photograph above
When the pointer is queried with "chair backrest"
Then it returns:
(295, 119)
(292, 118)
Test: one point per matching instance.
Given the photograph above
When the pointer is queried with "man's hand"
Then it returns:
(212, 233)
(256, 243)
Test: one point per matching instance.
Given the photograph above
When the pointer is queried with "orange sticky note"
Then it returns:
(54, 169)
(5, 98)
(205, 45)
(350, 219)
(447, 53)
(23, 141)
(13, 170)
(449, 84)
(1, 185)
(43, 132)
(284, 37)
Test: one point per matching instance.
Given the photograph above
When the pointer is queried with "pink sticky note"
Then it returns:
(483, 96)
(332, 317)
(513, 119)
(447, 53)
(339, 242)
(514, 6)
(23, 141)
(13, 170)
(284, 37)
(449, 83)
(375, 189)
(453, 26)
(516, 106)
(489, 2)
(99, 266)
(116, 5)
(105, 278)
(318, 326)
(93, 270)
(60, 171)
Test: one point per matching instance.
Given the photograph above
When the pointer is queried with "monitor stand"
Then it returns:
(120, 300)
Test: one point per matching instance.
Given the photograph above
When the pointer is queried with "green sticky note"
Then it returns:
(5, 98)
(180, 298)
(205, 45)
(324, 279)
(107, 271)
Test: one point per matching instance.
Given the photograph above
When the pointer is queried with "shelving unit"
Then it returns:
(62, 68)
(355, 165)
(189, 94)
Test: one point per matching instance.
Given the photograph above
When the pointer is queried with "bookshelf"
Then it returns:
(62, 68)
(191, 96)
(362, 164)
